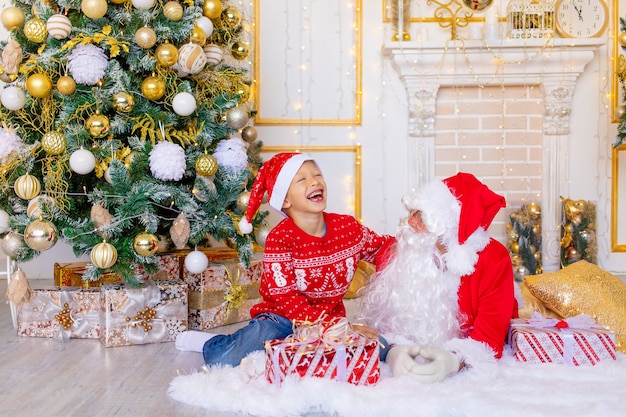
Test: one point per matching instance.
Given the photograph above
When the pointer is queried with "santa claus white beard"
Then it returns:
(413, 297)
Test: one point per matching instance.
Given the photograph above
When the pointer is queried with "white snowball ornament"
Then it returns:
(196, 262)
(205, 24)
(232, 154)
(13, 98)
(143, 4)
(10, 143)
(4, 221)
(87, 64)
(184, 103)
(167, 161)
(82, 161)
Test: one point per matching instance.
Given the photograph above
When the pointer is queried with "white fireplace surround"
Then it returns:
(555, 64)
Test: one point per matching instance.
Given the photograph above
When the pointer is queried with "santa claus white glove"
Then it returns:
(441, 364)
(401, 359)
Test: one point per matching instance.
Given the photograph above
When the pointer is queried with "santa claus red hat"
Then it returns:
(274, 177)
(456, 207)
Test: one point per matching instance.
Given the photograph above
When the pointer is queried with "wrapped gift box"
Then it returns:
(64, 312)
(223, 294)
(570, 346)
(71, 274)
(351, 357)
(154, 313)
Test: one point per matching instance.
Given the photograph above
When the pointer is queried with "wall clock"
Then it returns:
(581, 18)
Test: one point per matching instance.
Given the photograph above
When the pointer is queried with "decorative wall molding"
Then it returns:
(555, 64)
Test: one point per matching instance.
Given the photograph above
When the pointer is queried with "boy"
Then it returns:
(308, 262)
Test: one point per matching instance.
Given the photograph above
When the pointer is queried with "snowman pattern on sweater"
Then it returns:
(305, 277)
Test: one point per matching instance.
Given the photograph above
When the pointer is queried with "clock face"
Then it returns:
(581, 18)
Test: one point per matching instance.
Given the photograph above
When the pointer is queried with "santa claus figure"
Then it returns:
(443, 295)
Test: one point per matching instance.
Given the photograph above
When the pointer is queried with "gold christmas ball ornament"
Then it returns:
(212, 9)
(146, 244)
(66, 85)
(103, 255)
(621, 39)
(206, 165)
(39, 85)
(166, 54)
(231, 17)
(98, 125)
(123, 102)
(173, 11)
(249, 134)
(243, 91)
(59, 26)
(239, 50)
(94, 9)
(40, 235)
(260, 234)
(237, 118)
(35, 30)
(117, 1)
(197, 36)
(12, 18)
(145, 37)
(153, 88)
(242, 201)
(27, 186)
(53, 143)
(191, 58)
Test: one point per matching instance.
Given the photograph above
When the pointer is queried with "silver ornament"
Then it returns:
(260, 235)
(242, 201)
(237, 117)
(249, 134)
(11, 244)
(40, 235)
(520, 272)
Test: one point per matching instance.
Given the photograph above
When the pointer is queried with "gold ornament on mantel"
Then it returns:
(400, 19)
(530, 19)
(180, 231)
(457, 16)
(103, 255)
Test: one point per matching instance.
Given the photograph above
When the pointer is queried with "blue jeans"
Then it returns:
(230, 349)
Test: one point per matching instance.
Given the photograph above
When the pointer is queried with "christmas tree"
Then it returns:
(125, 129)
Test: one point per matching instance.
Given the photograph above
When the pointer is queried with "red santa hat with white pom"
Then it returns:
(274, 177)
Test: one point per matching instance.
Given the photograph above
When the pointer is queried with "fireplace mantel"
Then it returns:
(555, 64)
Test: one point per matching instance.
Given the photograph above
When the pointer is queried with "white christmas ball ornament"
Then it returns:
(13, 98)
(4, 221)
(82, 161)
(191, 58)
(205, 24)
(213, 53)
(167, 161)
(59, 26)
(143, 4)
(196, 262)
(184, 103)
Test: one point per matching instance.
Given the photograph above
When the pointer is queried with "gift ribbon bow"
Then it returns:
(147, 325)
(63, 313)
(316, 336)
(567, 329)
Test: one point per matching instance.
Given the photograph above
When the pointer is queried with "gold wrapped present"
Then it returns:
(61, 312)
(154, 313)
(223, 294)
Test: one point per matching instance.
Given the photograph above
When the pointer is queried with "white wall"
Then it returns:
(383, 136)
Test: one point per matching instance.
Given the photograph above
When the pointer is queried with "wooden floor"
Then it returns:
(82, 378)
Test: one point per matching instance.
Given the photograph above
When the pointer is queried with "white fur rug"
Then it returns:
(505, 389)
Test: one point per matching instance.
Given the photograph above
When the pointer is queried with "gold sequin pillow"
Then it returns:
(584, 288)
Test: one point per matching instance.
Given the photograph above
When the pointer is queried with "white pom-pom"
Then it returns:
(87, 64)
(245, 226)
(167, 161)
(9, 142)
(232, 154)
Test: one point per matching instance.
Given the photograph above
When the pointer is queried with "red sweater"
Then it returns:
(306, 276)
